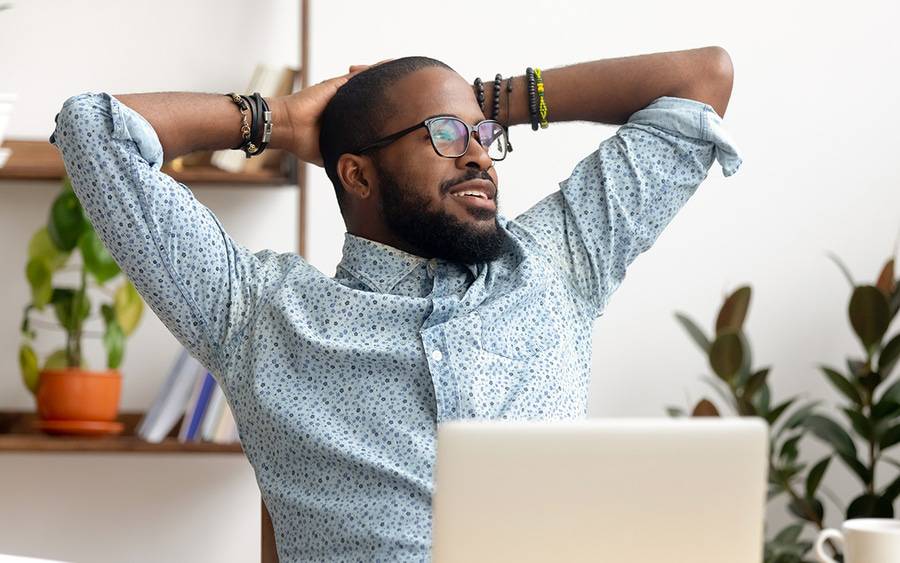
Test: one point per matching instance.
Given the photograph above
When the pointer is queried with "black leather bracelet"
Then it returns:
(265, 123)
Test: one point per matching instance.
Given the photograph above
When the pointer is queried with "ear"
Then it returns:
(356, 174)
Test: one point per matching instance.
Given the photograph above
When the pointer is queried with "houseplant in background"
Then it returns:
(7, 100)
(873, 414)
(70, 396)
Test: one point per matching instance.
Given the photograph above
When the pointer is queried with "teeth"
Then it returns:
(467, 193)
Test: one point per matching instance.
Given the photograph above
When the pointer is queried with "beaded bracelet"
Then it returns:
(532, 98)
(495, 114)
(543, 103)
(479, 93)
(506, 127)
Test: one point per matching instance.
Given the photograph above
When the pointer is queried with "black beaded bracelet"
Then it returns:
(532, 98)
(479, 93)
(495, 114)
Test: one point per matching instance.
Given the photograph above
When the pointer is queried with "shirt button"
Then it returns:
(437, 355)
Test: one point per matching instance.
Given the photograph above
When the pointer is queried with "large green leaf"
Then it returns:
(128, 307)
(734, 311)
(843, 385)
(41, 246)
(40, 279)
(97, 261)
(869, 506)
(726, 355)
(891, 437)
(64, 302)
(857, 467)
(66, 222)
(114, 341)
(869, 315)
(802, 509)
(831, 432)
(28, 365)
(773, 415)
(695, 332)
(815, 476)
(889, 356)
(756, 381)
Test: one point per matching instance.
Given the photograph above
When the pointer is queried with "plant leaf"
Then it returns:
(843, 385)
(705, 408)
(63, 300)
(28, 365)
(755, 382)
(869, 506)
(57, 360)
(128, 307)
(41, 246)
(726, 356)
(831, 432)
(815, 476)
(774, 414)
(869, 315)
(861, 424)
(889, 356)
(890, 493)
(857, 467)
(798, 508)
(114, 341)
(66, 222)
(891, 437)
(834, 258)
(675, 412)
(694, 331)
(886, 279)
(39, 278)
(734, 311)
(97, 261)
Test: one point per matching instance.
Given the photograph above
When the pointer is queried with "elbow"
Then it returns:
(721, 72)
(712, 79)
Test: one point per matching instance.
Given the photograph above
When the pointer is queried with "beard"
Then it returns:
(439, 234)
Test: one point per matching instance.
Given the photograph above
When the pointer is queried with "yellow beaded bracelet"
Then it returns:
(542, 103)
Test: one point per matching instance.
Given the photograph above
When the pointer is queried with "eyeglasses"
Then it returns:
(450, 137)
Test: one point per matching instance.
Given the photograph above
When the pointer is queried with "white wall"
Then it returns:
(136, 508)
(813, 108)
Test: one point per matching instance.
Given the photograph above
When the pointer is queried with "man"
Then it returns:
(441, 307)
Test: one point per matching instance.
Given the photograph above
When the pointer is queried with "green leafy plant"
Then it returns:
(871, 408)
(871, 411)
(50, 251)
(745, 391)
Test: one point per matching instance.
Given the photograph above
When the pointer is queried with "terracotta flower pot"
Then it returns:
(80, 395)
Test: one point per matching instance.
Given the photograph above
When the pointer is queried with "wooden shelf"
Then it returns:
(39, 160)
(18, 434)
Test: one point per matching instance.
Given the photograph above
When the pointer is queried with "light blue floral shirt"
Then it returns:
(337, 383)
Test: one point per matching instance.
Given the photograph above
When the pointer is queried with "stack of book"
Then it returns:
(191, 395)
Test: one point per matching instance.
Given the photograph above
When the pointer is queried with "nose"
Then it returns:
(475, 155)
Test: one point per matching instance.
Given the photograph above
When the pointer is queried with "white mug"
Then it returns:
(863, 540)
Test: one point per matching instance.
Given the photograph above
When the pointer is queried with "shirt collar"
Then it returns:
(381, 266)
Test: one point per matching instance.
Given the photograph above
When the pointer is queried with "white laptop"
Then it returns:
(600, 490)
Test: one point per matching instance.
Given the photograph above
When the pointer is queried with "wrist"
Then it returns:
(282, 126)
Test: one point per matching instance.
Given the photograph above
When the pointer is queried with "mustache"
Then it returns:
(483, 175)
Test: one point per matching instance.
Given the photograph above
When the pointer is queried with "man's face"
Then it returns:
(415, 184)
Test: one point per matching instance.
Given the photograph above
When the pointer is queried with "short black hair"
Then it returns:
(356, 113)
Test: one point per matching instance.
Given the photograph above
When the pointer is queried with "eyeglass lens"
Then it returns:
(450, 136)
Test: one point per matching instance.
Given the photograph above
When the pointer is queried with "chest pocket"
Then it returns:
(517, 329)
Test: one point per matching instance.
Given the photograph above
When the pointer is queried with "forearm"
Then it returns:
(186, 121)
(610, 90)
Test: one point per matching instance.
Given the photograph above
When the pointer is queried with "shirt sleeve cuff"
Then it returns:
(691, 118)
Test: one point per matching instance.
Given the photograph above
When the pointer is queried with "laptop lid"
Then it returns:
(635, 490)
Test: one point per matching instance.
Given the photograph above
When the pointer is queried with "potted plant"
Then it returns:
(70, 396)
(6, 104)
(871, 407)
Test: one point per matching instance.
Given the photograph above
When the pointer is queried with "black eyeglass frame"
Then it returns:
(385, 141)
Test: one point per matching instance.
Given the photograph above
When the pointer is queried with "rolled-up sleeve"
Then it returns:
(619, 198)
(199, 282)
